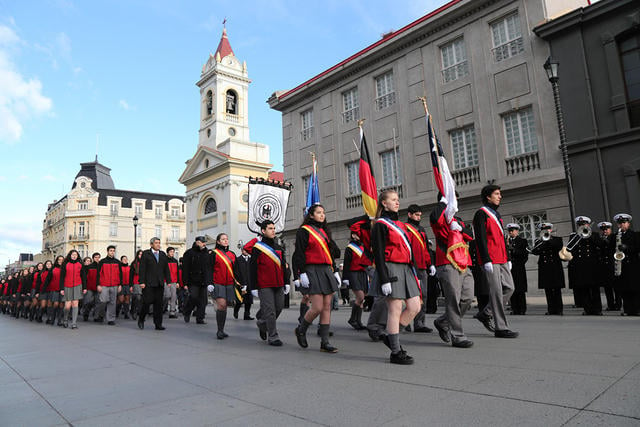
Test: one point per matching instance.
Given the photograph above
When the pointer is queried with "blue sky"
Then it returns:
(123, 72)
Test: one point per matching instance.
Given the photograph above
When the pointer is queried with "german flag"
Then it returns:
(368, 185)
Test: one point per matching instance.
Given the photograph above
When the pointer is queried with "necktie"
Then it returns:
(155, 254)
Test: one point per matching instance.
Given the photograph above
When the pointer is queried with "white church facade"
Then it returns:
(216, 177)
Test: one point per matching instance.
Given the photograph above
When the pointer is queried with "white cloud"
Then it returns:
(123, 104)
(49, 178)
(21, 98)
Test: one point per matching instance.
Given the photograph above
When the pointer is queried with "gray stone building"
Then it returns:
(598, 48)
(480, 67)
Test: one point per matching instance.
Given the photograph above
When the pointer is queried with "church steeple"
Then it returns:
(224, 47)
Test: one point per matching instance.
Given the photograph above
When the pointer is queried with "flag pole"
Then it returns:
(426, 112)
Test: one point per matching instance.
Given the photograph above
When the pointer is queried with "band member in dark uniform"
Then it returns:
(454, 275)
(605, 267)
(314, 267)
(518, 251)
(550, 271)
(627, 264)
(357, 258)
(395, 272)
(422, 258)
(583, 267)
(492, 254)
(269, 279)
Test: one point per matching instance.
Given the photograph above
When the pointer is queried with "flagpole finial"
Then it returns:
(361, 122)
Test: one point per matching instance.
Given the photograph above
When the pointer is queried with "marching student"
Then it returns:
(224, 291)
(73, 289)
(35, 291)
(90, 283)
(550, 271)
(492, 255)
(124, 297)
(313, 266)
(109, 284)
(354, 275)
(53, 287)
(25, 291)
(268, 280)
(42, 290)
(170, 288)
(395, 272)
(136, 289)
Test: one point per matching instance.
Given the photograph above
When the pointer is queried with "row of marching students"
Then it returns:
(59, 289)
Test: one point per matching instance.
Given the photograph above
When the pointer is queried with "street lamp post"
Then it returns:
(135, 235)
(551, 67)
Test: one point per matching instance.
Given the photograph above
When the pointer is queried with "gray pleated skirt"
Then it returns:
(225, 292)
(359, 281)
(137, 290)
(54, 296)
(72, 294)
(406, 285)
(321, 279)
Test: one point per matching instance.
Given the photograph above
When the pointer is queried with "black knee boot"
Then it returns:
(221, 318)
(303, 310)
(247, 312)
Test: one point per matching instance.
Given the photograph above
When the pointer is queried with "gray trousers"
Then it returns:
(421, 318)
(108, 298)
(500, 284)
(271, 304)
(378, 316)
(171, 295)
(89, 301)
(458, 295)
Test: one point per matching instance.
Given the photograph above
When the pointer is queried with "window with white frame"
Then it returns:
(307, 124)
(385, 92)
(520, 132)
(391, 168)
(83, 205)
(81, 229)
(175, 211)
(464, 147)
(507, 37)
(175, 233)
(350, 106)
(529, 225)
(353, 180)
(158, 209)
(113, 229)
(454, 60)
(138, 209)
(158, 231)
(113, 208)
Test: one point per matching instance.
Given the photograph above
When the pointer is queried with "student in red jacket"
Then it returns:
(73, 289)
(224, 290)
(42, 290)
(90, 283)
(170, 289)
(109, 284)
(493, 257)
(54, 296)
(134, 280)
(35, 291)
(124, 297)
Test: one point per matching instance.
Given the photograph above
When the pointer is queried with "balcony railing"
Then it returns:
(175, 240)
(397, 188)
(508, 49)
(158, 216)
(522, 163)
(232, 118)
(354, 201)
(113, 212)
(178, 217)
(385, 101)
(351, 115)
(78, 237)
(467, 175)
(456, 71)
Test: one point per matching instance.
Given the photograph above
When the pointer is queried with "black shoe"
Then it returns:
(276, 343)
(187, 317)
(506, 333)
(374, 335)
(328, 348)
(140, 323)
(85, 317)
(65, 324)
(126, 316)
(301, 337)
(74, 326)
(462, 344)
(160, 328)
(235, 314)
(401, 358)
(248, 318)
(423, 329)
(444, 334)
(407, 328)
(263, 333)
(221, 335)
(201, 322)
(354, 324)
(486, 322)
(111, 323)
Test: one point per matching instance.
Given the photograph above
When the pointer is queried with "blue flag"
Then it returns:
(313, 191)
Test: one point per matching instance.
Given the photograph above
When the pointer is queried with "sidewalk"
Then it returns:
(571, 370)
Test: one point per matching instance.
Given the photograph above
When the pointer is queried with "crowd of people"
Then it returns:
(388, 265)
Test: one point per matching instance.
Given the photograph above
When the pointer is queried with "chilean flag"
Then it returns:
(368, 187)
(313, 191)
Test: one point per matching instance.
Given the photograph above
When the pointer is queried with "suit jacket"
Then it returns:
(154, 273)
(241, 270)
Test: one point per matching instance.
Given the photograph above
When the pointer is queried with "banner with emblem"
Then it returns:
(268, 199)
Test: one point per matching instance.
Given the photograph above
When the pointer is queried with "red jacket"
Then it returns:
(490, 243)
(315, 253)
(110, 272)
(70, 274)
(441, 230)
(388, 245)
(265, 270)
(126, 274)
(419, 245)
(90, 276)
(173, 270)
(223, 268)
(53, 279)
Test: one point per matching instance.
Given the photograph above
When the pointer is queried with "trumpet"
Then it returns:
(618, 256)
(584, 232)
(545, 236)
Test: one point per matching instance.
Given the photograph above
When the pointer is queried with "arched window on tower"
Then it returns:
(210, 206)
(231, 102)
(209, 102)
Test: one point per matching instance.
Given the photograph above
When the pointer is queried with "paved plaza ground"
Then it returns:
(571, 370)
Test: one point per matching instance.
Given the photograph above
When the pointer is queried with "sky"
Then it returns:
(117, 78)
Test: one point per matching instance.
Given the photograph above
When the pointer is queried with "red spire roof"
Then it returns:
(224, 48)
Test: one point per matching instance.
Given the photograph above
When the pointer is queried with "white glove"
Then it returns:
(488, 267)
(509, 264)
(432, 270)
(296, 283)
(454, 226)
(210, 289)
(337, 276)
(386, 288)
(243, 289)
(304, 280)
(346, 283)
(254, 293)
(287, 289)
